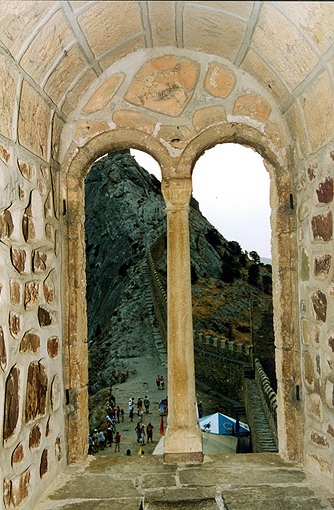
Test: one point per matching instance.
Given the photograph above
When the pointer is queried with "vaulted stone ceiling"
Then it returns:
(64, 47)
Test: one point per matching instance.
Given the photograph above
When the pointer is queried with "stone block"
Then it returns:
(309, 374)
(177, 136)
(45, 317)
(275, 134)
(208, 116)
(219, 80)
(47, 46)
(36, 391)
(58, 449)
(319, 302)
(101, 34)
(134, 120)
(30, 342)
(12, 18)
(34, 121)
(55, 395)
(31, 294)
(74, 95)
(3, 350)
(164, 84)
(319, 439)
(322, 265)
(314, 405)
(6, 224)
(16, 490)
(18, 454)
(12, 403)
(4, 154)
(128, 47)
(291, 66)
(204, 27)
(104, 94)
(18, 258)
(72, 64)
(329, 394)
(85, 130)
(257, 66)
(44, 464)
(322, 227)
(27, 170)
(161, 33)
(35, 436)
(49, 287)
(57, 126)
(319, 133)
(325, 191)
(15, 291)
(8, 80)
(53, 346)
(252, 106)
(15, 321)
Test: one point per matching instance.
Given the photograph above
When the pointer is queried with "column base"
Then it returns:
(183, 458)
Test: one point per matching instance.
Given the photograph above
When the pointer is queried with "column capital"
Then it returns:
(177, 192)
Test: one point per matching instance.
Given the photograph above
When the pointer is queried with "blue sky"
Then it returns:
(231, 185)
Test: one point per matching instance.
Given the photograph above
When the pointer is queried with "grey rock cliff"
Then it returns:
(125, 213)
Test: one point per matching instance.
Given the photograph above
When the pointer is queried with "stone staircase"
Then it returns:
(158, 341)
(265, 439)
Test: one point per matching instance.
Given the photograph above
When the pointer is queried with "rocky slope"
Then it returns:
(124, 215)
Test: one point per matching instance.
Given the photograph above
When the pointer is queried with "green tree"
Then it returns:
(255, 257)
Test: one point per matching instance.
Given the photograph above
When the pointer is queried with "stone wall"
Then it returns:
(315, 227)
(31, 362)
(160, 80)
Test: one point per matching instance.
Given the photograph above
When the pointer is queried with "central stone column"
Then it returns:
(183, 440)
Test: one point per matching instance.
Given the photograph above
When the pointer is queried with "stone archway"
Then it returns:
(284, 253)
(76, 167)
(284, 262)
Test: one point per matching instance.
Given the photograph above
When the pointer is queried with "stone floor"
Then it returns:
(229, 482)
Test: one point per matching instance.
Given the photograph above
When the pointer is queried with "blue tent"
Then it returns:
(219, 423)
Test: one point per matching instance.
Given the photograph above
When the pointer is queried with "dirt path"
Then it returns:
(141, 382)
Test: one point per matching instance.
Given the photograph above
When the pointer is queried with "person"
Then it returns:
(110, 435)
(117, 441)
(128, 452)
(90, 445)
(96, 441)
(118, 413)
(162, 382)
(157, 380)
(140, 413)
(131, 413)
(149, 432)
(161, 408)
(122, 415)
(146, 404)
(142, 434)
(138, 431)
(102, 440)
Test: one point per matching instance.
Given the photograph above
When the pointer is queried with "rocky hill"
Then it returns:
(124, 216)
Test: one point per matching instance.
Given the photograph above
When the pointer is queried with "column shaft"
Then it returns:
(183, 441)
